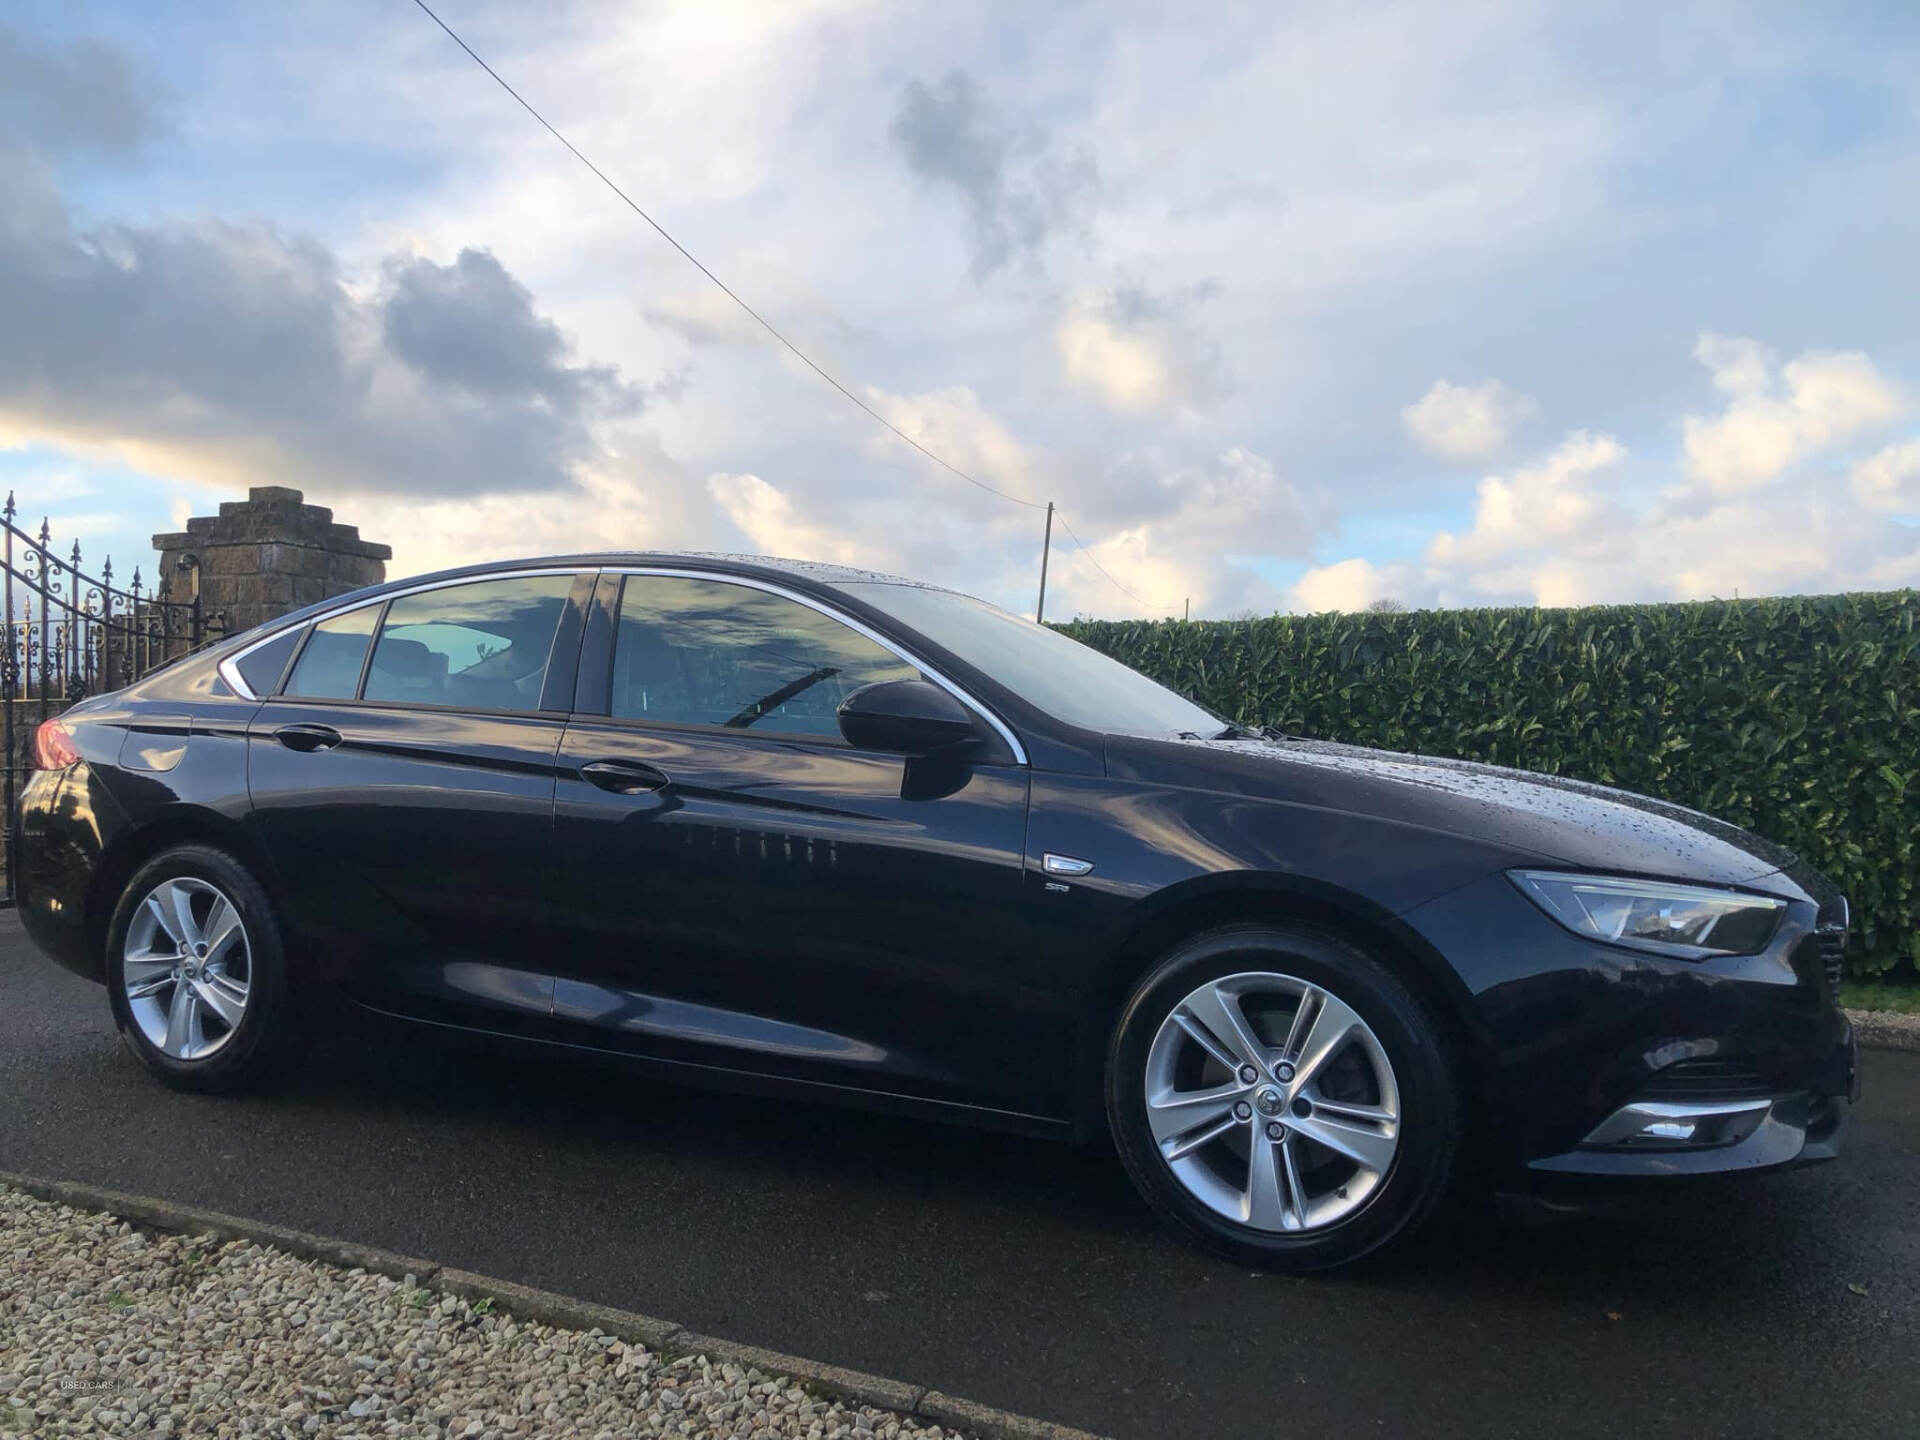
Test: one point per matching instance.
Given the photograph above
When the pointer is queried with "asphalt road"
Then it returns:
(1017, 1273)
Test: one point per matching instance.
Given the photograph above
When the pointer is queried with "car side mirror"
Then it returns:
(907, 717)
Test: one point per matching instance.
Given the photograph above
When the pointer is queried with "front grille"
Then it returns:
(1705, 1079)
(1830, 932)
(1833, 953)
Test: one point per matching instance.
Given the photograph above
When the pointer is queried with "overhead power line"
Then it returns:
(1106, 572)
(762, 320)
(726, 289)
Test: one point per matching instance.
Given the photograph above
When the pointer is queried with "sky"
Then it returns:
(1286, 307)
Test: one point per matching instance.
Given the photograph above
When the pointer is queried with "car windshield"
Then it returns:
(1060, 676)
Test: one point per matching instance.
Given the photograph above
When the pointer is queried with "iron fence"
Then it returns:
(68, 635)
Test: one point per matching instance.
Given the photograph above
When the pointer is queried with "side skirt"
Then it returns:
(746, 1082)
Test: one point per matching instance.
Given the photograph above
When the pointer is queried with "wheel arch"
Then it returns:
(178, 825)
(1208, 902)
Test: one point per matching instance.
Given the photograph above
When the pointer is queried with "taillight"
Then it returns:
(53, 746)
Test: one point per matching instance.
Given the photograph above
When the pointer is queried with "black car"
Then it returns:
(831, 835)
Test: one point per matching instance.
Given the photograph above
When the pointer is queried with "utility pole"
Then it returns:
(1186, 608)
(1046, 548)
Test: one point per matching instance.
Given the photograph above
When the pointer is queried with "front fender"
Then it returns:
(1165, 858)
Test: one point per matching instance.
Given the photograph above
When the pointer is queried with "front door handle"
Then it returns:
(307, 737)
(623, 777)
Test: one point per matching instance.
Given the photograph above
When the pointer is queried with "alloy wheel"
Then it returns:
(1272, 1102)
(186, 968)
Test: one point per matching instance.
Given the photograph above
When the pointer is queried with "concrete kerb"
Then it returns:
(549, 1308)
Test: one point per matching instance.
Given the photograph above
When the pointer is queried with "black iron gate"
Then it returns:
(70, 635)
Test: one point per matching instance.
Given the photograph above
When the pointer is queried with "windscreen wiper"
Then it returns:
(780, 697)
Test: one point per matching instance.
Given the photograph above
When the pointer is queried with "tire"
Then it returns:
(1392, 1103)
(237, 1028)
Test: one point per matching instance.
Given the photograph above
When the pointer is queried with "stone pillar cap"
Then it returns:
(272, 514)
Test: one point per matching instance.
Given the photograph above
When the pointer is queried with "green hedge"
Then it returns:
(1798, 718)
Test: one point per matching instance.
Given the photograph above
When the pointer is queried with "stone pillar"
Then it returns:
(268, 554)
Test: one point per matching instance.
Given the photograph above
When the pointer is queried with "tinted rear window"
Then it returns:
(478, 645)
(329, 663)
(261, 667)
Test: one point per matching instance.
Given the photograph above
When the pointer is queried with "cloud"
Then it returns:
(1772, 420)
(1139, 352)
(1018, 192)
(1167, 527)
(1558, 501)
(84, 98)
(1765, 509)
(631, 496)
(769, 519)
(954, 424)
(472, 325)
(1164, 523)
(1467, 422)
(1587, 524)
(237, 353)
(1234, 504)
(1348, 585)
(1890, 480)
(704, 316)
(1515, 198)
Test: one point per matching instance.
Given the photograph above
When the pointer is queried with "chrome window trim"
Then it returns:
(230, 673)
(229, 670)
(752, 582)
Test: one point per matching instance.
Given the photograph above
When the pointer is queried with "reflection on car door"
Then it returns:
(403, 783)
(742, 889)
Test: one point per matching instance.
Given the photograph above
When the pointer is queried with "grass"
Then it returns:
(1878, 995)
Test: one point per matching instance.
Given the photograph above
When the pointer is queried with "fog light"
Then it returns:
(1670, 1130)
(1660, 1125)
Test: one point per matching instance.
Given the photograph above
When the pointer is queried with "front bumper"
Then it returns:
(1713, 1136)
(1599, 1061)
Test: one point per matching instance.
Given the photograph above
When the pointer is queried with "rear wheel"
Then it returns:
(195, 971)
(1280, 1096)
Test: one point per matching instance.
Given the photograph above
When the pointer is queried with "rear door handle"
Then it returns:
(307, 737)
(623, 777)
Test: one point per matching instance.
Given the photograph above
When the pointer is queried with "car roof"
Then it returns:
(769, 566)
(819, 571)
(814, 574)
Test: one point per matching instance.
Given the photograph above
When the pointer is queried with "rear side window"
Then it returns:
(329, 663)
(703, 652)
(261, 666)
(483, 645)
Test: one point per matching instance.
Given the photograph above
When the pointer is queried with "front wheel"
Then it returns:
(1281, 1097)
(195, 971)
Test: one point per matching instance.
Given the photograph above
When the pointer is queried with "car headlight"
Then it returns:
(1683, 920)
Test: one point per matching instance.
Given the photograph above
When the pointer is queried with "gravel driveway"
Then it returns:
(106, 1328)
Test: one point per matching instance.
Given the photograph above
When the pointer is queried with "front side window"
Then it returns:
(704, 652)
(482, 645)
(329, 663)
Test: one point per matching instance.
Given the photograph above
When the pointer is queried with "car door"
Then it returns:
(741, 888)
(402, 780)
